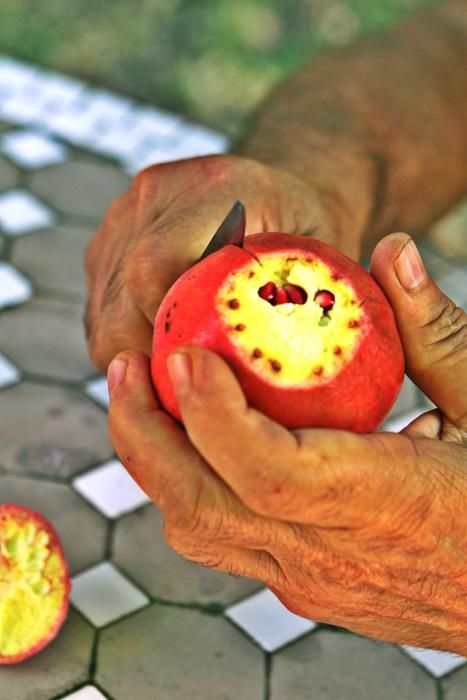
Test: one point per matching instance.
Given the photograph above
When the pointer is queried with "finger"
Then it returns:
(433, 329)
(238, 561)
(157, 453)
(276, 473)
(118, 326)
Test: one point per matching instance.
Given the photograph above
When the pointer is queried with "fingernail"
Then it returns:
(116, 373)
(179, 366)
(409, 267)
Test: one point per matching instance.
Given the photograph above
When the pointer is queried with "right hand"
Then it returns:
(161, 226)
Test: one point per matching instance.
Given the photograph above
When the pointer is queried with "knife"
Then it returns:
(230, 232)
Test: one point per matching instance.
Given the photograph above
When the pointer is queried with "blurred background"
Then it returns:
(210, 60)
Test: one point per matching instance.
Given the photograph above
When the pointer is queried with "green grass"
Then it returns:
(211, 60)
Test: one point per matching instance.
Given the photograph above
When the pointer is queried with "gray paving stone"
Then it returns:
(79, 188)
(54, 258)
(82, 530)
(61, 665)
(51, 431)
(140, 549)
(46, 336)
(336, 666)
(8, 174)
(454, 686)
(173, 654)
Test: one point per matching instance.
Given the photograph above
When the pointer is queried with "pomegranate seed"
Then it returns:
(267, 291)
(325, 299)
(296, 294)
(281, 296)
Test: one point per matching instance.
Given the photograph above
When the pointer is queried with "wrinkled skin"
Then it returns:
(366, 532)
(159, 228)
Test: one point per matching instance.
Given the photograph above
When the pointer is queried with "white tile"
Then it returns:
(31, 149)
(264, 618)
(407, 399)
(191, 142)
(14, 74)
(20, 108)
(438, 663)
(14, 287)
(89, 692)
(98, 390)
(395, 425)
(21, 212)
(102, 594)
(111, 489)
(9, 374)
(454, 285)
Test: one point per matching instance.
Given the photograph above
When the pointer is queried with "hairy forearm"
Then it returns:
(379, 127)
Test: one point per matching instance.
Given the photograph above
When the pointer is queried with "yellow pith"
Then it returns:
(296, 348)
(31, 586)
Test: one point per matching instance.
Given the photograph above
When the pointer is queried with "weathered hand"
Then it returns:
(161, 226)
(367, 532)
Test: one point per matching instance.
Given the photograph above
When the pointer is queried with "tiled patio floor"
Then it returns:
(145, 624)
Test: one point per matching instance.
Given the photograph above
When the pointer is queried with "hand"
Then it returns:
(158, 229)
(367, 532)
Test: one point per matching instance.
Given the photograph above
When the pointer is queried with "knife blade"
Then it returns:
(230, 232)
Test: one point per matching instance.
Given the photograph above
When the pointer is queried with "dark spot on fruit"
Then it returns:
(240, 327)
(234, 304)
(337, 350)
(352, 301)
(128, 459)
(275, 365)
(353, 323)
(175, 304)
(251, 274)
(335, 276)
(257, 353)
(167, 326)
(291, 259)
(318, 370)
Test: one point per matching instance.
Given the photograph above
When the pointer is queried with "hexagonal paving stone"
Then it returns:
(330, 665)
(83, 532)
(8, 174)
(49, 430)
(80, 188)
(63, 664)
(46, 337)
(54, 258)
(172, 654)
(141, 550)
(454, 686)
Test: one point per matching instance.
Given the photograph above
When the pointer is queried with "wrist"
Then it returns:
(348, 183)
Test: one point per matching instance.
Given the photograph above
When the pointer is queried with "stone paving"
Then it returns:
(145, 624)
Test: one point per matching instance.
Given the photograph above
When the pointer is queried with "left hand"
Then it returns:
(367, 532)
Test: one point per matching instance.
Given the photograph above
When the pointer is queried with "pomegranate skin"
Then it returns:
(20, 513)
(357, 399)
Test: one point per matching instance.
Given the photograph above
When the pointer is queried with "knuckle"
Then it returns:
(446, 334)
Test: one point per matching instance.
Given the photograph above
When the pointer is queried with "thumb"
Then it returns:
(432, 328)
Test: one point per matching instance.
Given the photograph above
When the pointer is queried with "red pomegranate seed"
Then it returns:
(296, 294)
(267, 291)
(281, 296)
(325, 299)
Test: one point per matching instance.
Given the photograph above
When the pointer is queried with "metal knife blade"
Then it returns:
(230, 232)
